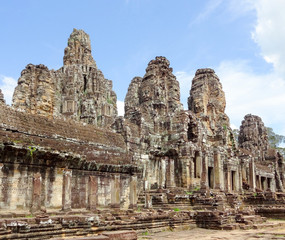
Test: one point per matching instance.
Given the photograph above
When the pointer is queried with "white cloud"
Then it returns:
(248, 92)
(120, 107)
(269, 32)
(7, 85)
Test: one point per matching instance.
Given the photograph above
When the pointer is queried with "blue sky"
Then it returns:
(242, 40)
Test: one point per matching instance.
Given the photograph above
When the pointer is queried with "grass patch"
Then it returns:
(189, 193)
(146, 233)
(32, 150)
(176, 210)
(197, 188)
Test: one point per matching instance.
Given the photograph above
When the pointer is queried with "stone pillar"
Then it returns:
(162, 174)
(243, 172)
(229, 174)
(148, 200)
(252, 177)
(217, 170)
(199, 165)
(272, 185)
(239, 179)
(66, 190)
(185, 173)
(92, 192)
(170, 180)
(115, 192)
(37, 189)
(133, 192)
(259, 182)
(204, 176)
(188, 175)
(1, 172)
(191, 172)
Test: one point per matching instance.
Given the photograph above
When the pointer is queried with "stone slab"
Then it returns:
(121, 235)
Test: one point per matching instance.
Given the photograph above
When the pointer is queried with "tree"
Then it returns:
(275, 140)
(235, 133)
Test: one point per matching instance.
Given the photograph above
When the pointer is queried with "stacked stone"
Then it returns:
(2, 100)
(155, 97)
(207, 100)
(253, 136)
(78, 90)
(132, 101)
(36, 90)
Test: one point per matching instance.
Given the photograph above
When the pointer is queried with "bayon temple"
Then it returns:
(69, 160)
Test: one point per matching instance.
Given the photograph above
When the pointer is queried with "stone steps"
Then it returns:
(64, 226)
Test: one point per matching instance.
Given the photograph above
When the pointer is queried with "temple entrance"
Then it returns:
(233, 180)
(211, 177)
(197, 165)
(263, 183)
(257, 182)
(269, 183)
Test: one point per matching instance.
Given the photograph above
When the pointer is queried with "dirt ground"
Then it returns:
(206, 234)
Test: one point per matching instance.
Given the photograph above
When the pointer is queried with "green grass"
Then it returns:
(176, 210)
(197, 188)
(145, 233)
(32, 150)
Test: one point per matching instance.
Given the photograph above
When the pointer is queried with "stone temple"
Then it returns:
(69, 166)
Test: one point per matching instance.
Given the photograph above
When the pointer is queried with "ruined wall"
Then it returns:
(64, 135)
(33, 183)
(40, 156)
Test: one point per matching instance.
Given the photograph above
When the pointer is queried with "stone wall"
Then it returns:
(64, 135)
(58, 163)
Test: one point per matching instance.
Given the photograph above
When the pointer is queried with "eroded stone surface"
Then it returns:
(253, 136)
(35, 92)
(78, 90)
(207, 101)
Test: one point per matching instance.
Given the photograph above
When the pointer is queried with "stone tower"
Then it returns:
(77, 90)
(155, 98)
(207, 101)
(2, 100)
(85, 93)
(253, 136)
